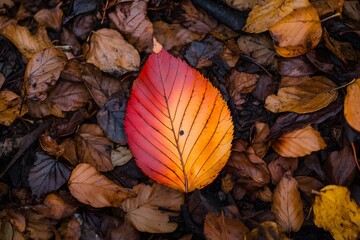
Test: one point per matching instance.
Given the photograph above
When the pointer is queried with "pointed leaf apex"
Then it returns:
(157, 47)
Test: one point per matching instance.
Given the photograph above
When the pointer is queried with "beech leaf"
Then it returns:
(42, 72)
(178, 126)
(145, 213)
(47, 174)
(299, 143)
(337, 213)
(91, 187)
(10, 105)
(267, 230)
(287, 204)
(352, 110)
(310, 95)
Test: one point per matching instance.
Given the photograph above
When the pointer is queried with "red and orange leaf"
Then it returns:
(178, 126)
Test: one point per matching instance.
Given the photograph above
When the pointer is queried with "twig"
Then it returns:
(355, 156)
(104, 11)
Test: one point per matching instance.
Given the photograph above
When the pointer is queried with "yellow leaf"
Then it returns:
(267, 230)
(262, 17)
(10, 105)
(287, 205)
(109, 51)
(91, 187)
(299, 143)
(27, 43)
(297, 33)
(337, 213)
(351, 106)
(145, 213)
(310, 95)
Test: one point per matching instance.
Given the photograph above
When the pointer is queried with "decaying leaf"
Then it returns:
(120, 156)
(130, 17)
(110, 52)
(223, 228)
(280, 165)
(324, 7)
(262, 17)
(179, 128)
(297, 33)
(259, 143)
(267, 230)
(56, 207)
(27, 43)
(50, 145)
(94, 147)
(287, 204)
(10, 107)
(42, 72)
(299, 143)
(51, 18)
(147, 212)
(308, 95)
(308, 184)
(352, 110)
(343, 50)
(241, 83)
(352, 9)
(91, 187)
(38, 226)
(244, 4)
(337, 213)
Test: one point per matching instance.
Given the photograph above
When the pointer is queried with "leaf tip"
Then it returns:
(157, 47)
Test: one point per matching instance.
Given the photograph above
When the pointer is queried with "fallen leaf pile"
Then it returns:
(167, 119)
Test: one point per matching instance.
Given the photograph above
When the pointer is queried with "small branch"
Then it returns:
(104, 11)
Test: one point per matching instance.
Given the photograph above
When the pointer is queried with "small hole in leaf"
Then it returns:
(181, 132)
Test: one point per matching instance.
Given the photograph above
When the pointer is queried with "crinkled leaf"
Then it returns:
(91, 187)
(287, 204)
(42, 72)
(120, 156)
(10, 106)
(94, 147)
(47, 174)
(147, 212)
(178, 126)
(299, 143)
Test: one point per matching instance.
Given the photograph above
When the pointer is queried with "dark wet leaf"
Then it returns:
(47, 174)
(307, 184)
(321, 60)
(296, 67)
(83, 25)
(66, 126)
(82, 6)
(292, 121)
(199, 54)
(264, 87)
(111, 120)
(280, 165)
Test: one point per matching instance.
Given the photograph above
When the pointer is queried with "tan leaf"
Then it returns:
(262, 17)
(27, 43)
(223, 228)
(351, 109)
(91, 187)
(324, 7)
(94, 147)
(6, 21)
(174, 35)
(299, 143)
(280, 165)
(310, 95)
(336, 212)
(144, 213)
(130, 18)
(120, 156)
(267, 230)
(10, 107)
(287, 204)
(244, 4)
(110, 52)
(42, 72)
(297, 33)
(50, 18)
(259, 142)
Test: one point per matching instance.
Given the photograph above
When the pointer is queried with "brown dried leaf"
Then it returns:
(10, 105)
(262, 17)
(244, 4)
(197, 20)
(352, 110)
(144, 210)
(38, 226)
(296, 67)
(297, 33)
(120, 156)
(91, 187)
(343, 50)
(56, 207)
(264, 194)
(50, 18)
(352, 9)
(130, 18)
(173, 35)
(267, 230)
(259, 143)
(70, 230)
(69, 154)
(308, 184)
(241, 83)
(27, 43)
(324, 7)
(110, 52)
(287, 204)
(299, 143)
(280, 165)
(224, 228)
(94, 147)
(309, 95)
(42, 72)
(49, 145)
(6, 21)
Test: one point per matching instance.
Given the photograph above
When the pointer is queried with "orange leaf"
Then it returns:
(299, 143)
(351, 108)
(179, 127)
(287, 204)
(91, 187)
